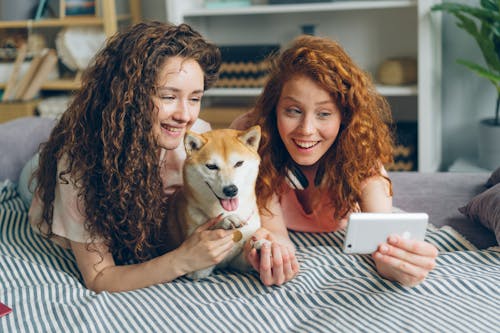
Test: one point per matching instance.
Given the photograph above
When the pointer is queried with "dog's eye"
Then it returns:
(212, 166)
(238, 164)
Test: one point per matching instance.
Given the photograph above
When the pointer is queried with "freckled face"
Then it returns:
(179, 99)
(308, 120)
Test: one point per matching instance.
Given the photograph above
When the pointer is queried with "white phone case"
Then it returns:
(366, 231)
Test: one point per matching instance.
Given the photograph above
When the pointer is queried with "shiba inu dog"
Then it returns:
(219, 175)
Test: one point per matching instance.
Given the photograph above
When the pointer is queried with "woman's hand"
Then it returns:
(276, 262)
(404, 260)
(204, 247)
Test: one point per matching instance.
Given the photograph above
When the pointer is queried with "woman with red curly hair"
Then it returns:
(107, 169)
(325, 140)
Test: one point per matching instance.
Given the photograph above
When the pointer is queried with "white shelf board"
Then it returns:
(301, 8)
(411, 90)
(233, 92)
(252, 92)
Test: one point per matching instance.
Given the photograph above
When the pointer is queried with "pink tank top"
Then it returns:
(320, 220)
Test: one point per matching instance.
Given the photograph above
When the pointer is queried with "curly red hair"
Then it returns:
(107, 140)
(364, 142)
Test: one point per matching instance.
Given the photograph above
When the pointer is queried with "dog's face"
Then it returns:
(221, 167)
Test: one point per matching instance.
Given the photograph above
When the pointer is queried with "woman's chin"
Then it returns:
(170, 143)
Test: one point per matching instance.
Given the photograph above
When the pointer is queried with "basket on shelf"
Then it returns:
(244, 66)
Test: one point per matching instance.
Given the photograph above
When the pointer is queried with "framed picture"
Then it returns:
(79, 7)
(62, 8)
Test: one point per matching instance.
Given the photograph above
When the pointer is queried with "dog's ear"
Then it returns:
(193, 142)
(251, 137)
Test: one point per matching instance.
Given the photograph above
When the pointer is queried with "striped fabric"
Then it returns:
(334, 292)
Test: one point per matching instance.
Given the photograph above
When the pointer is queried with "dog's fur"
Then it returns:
(219, 178)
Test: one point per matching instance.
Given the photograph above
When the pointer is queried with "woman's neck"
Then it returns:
(305, 196)
(310, 172)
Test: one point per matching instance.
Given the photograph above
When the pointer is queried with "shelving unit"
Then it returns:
(109, 20)
(370, 31)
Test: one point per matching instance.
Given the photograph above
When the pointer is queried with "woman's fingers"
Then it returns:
(254, 259)
(412, 246)
(406, 261)
(277, 263)
(266, 274)
(290, 264)
(402, 271)
(403, 256)
(209, 224)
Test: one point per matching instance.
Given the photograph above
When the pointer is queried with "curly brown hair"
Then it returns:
(107, 140)
(365, 139)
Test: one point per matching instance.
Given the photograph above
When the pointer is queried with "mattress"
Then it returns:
(333, 292)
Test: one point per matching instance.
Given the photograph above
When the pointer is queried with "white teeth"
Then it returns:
(306, 144)
(172, 129)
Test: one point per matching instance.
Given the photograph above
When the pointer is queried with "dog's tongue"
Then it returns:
(229, 204)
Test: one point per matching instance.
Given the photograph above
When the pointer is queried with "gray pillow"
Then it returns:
(19, 140)
(494, 178)
(485, 208)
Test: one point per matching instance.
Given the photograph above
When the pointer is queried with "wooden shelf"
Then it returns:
(370, 31)
(108, 19)
(411, 90)
(63, 22)
(56, 85)
(300, 8)
(61, 84)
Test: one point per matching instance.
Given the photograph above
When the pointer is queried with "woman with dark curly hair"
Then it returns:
(325, 139)
(106, 171)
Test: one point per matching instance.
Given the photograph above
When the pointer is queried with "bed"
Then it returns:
(334, 292)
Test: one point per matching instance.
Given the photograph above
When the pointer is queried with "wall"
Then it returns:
(154, 9)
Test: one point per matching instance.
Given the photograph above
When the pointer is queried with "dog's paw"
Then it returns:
(260, 243)
(201, 274)
(232, 221)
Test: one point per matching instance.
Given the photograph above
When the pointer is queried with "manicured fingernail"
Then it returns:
(384, 248)
(393, 239)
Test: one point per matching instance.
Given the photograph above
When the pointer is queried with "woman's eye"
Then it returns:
(293, 111)
(212, 166)
(238, 164)
(168, 98)
(324, 114)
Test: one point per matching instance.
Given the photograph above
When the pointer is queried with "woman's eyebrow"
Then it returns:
(318, 103)
(175, 90)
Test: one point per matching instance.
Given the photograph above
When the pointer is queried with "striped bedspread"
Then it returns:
(334, 292)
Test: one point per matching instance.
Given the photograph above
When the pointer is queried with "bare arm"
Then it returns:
(202, 249)
(275, 225)
(101, 274)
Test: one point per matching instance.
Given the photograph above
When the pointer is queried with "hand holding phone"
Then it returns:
(366, 231)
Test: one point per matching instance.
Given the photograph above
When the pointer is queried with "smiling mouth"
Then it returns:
(171, 128)
(230, 204)
(306, 144)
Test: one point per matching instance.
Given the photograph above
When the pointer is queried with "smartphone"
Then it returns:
(4, 309)
(366, 231)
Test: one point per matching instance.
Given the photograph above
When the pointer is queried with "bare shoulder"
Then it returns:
(376, 194)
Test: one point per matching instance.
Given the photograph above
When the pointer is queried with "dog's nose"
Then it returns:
(230, 190)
